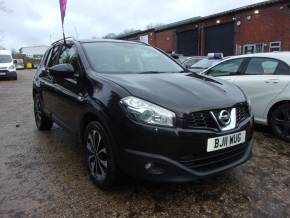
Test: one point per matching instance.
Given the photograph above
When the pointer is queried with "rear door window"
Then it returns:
(262, 66)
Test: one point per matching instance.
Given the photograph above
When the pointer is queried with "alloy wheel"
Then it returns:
(97, 155)
(282, 122)
(37, 111)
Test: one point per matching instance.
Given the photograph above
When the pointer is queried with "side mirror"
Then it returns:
(14, 61)
(62, 71)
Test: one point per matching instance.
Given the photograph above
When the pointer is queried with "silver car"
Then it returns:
(265, 78)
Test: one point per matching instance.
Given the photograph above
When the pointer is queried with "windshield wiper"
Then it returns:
(197, 68)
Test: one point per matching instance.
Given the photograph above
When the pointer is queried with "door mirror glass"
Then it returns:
(62, 71)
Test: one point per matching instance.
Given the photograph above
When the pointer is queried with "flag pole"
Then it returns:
(63, 34)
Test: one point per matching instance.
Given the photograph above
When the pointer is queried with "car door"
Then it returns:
(47, 82)
(260, 82)
(70, 94)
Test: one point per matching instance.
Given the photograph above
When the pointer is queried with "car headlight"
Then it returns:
(12, 67)
(146, 112)
(249, 104)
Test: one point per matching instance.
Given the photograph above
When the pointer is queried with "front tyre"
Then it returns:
(280, 122)
(42, 121)
(100, 157)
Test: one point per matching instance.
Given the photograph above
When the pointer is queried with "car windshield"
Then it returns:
(205, 63)
(5, 59)
(124, 58)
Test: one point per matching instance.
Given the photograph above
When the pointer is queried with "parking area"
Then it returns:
(44, 174)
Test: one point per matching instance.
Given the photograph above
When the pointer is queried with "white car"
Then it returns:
(7, 67)
(265, 78)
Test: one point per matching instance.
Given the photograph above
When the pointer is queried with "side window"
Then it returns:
(262, 66)
(283, 69)
(69, 55)
(45, 58)
(51, 60)
(227, 68)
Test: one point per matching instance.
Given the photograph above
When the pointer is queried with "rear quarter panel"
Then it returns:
(283, 96)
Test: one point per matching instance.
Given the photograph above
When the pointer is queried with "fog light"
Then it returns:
(152, 168)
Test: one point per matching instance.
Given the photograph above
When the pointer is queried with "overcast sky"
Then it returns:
(37, 22)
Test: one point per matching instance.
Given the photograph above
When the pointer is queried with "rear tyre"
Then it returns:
(100, 157)
(280, 122)
(42, 121)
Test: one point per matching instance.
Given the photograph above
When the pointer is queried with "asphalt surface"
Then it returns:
(43, 174)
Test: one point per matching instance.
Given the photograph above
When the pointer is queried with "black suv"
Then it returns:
(138, 112)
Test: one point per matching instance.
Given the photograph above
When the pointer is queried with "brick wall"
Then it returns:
(166, 40)
(270, 25)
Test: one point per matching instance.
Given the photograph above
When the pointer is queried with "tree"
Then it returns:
(152, 26)
(110, 36)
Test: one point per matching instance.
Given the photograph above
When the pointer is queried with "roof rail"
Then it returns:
(62, 39)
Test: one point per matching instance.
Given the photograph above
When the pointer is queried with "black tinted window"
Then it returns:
(262, 66)
(227, 68)
(53, 56)
(69, 55)
(283, 69)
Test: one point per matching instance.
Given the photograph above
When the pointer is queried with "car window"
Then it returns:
(205, 63)
(52, 56)
(283, 69)
(124, 58)
(190, 62)
(227, 68)
(261, 66)
(69, 55)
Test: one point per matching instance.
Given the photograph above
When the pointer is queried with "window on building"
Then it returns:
(259, 47)
(249, 49)
(275, 46)
(253, 48)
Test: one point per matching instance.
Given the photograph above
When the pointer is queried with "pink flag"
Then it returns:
(62, 5)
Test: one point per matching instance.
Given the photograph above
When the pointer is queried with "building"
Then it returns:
(260, 27)
(34, 52)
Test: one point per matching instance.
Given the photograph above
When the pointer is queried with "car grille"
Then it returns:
(216, 160)
(242, 113)
(204, 120)
(200, 120)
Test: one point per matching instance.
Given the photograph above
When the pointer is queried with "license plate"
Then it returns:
(226, 141)
(2, 74)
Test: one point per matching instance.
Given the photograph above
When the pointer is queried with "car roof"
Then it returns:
(70, 39)
(282, 56)
(5, 52)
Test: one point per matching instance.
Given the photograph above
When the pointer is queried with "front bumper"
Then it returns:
(8, 74)
(178, 155)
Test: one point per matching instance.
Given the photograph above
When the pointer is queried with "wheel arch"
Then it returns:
(272, 108)
(92, 116)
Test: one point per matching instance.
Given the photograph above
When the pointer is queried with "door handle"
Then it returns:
(272, 81)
